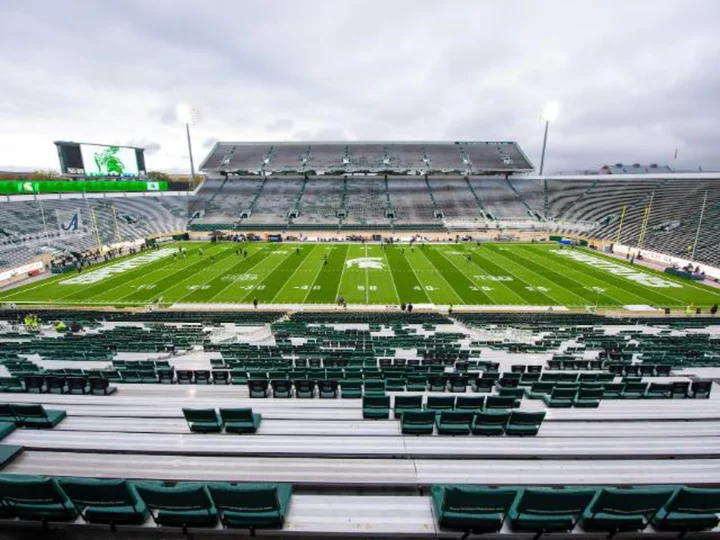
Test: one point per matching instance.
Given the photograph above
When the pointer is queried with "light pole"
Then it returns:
(186, 115)
(549, 115)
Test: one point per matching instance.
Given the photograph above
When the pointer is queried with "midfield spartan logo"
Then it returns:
(374, 263)
(69, 220)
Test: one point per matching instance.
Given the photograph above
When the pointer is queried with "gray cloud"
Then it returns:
(635, 79)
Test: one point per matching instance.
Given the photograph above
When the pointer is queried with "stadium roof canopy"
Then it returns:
(417, 157)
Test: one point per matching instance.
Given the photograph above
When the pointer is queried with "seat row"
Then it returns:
(641, 370)
(120, 502)
(238, 420)
(57, 384)
(480, 509)
(559, 395)
(489, 422)
(378, 407)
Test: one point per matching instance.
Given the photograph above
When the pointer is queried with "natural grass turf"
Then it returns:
(443, 274)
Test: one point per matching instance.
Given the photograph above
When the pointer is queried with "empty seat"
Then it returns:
(184, 376)
(35, 498)
(351, 389)
(101, 385)
(680, 389)
(491, 422)
(220, 376)
(659, 391)
(588, 398)
(77, 385)
(258, 388)
(440, 403)
(37, 416)
(470, 403)
(376, 407)
(110, 502)
(500, 402)
(690, 509)
(472, 509)
(183, 505)
(304, 388)
(203, 420)
(635, 390)
(240, 420)
(415, 422)
(700, 389)
(454, 422)
(328, 389)
(621, 510)
(281, 388)
(251, 506)
(549, 510)
(524, 423)
(403, 404)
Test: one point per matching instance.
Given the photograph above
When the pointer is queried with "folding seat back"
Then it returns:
(534, 369)
(547, 510)
(690, 509)
(105, 501)
(281, 388)
(258, 388)
(483, 385)
(525, 422)
(470, 403)
(184, 376)
(550, 377)
(328, 388)
(55, 384)
(6, 413)
(680, 389)
(499, 402)
(458, 383)
(529, 378)
(440, 403)
(471, 508)
(605, 377)
(202, 376)
(437, 383)
(647, 370)
(221, 376)
(376, 402)
(490, 422)
(77, 385)
(240, 414)
(457, 417)
(405, 403)
(35, 498)
(700, 389)
(418, 418)
(568, 377)
(508, 382)
(251, 505)
(178, 506)
(202, 420)
(663, 370)
(304, 388)
(632, 370)
(518, 368)
(587, 377)
(616, 510)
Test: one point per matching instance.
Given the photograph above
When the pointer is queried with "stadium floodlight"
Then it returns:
(549, 114)
(186, 115)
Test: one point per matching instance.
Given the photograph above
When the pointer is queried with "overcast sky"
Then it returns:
(635, 79)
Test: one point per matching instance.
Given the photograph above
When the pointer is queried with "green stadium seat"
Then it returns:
(613, 390)
(183, 505)
(635, 390)
(483, 385)
(690, 509)
(440, 403)
(472, 509)
(37, 416)
(492, 422)
(11, 384)
(700, 389)
(457, 384)
(500, 402)
(304, 388)
(258, 388)
(328, 389)
(376, 407)
(679, 389)
(6, 427)
(560, 397)
(184, 376)
(55, 385)
(240, 420)
(203, 420)
(281, 388)
(588, 398)
(374, 387)
(454, 422)
(251, 506)
(416, 383)
(220, 376)
(402, 404)
(658, 390)
(238, 376)
(100, 385)
(623, 510)
(524, 423)
(540, 389)
(415, 422)
(110, 502)
(470, 403)
(549, 510)
(35, 498)
(202, 376)
(351, 389)
(516, 393)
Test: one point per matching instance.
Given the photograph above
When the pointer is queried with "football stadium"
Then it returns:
(358, 340)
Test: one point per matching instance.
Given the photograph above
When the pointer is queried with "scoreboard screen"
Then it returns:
(28, 187)
(81, 159)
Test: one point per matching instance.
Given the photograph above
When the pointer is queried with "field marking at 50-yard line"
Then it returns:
(317, 274)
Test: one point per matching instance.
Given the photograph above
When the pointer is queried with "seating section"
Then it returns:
(480, 509)
(183, 505)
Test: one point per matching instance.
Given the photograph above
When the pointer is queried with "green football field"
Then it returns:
(441, 274)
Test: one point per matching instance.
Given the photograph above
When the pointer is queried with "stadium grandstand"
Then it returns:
(361, 340)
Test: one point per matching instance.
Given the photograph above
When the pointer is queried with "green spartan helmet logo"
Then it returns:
(107, 162)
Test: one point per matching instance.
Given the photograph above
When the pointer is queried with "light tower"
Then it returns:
(186, 115)
(549, 115)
